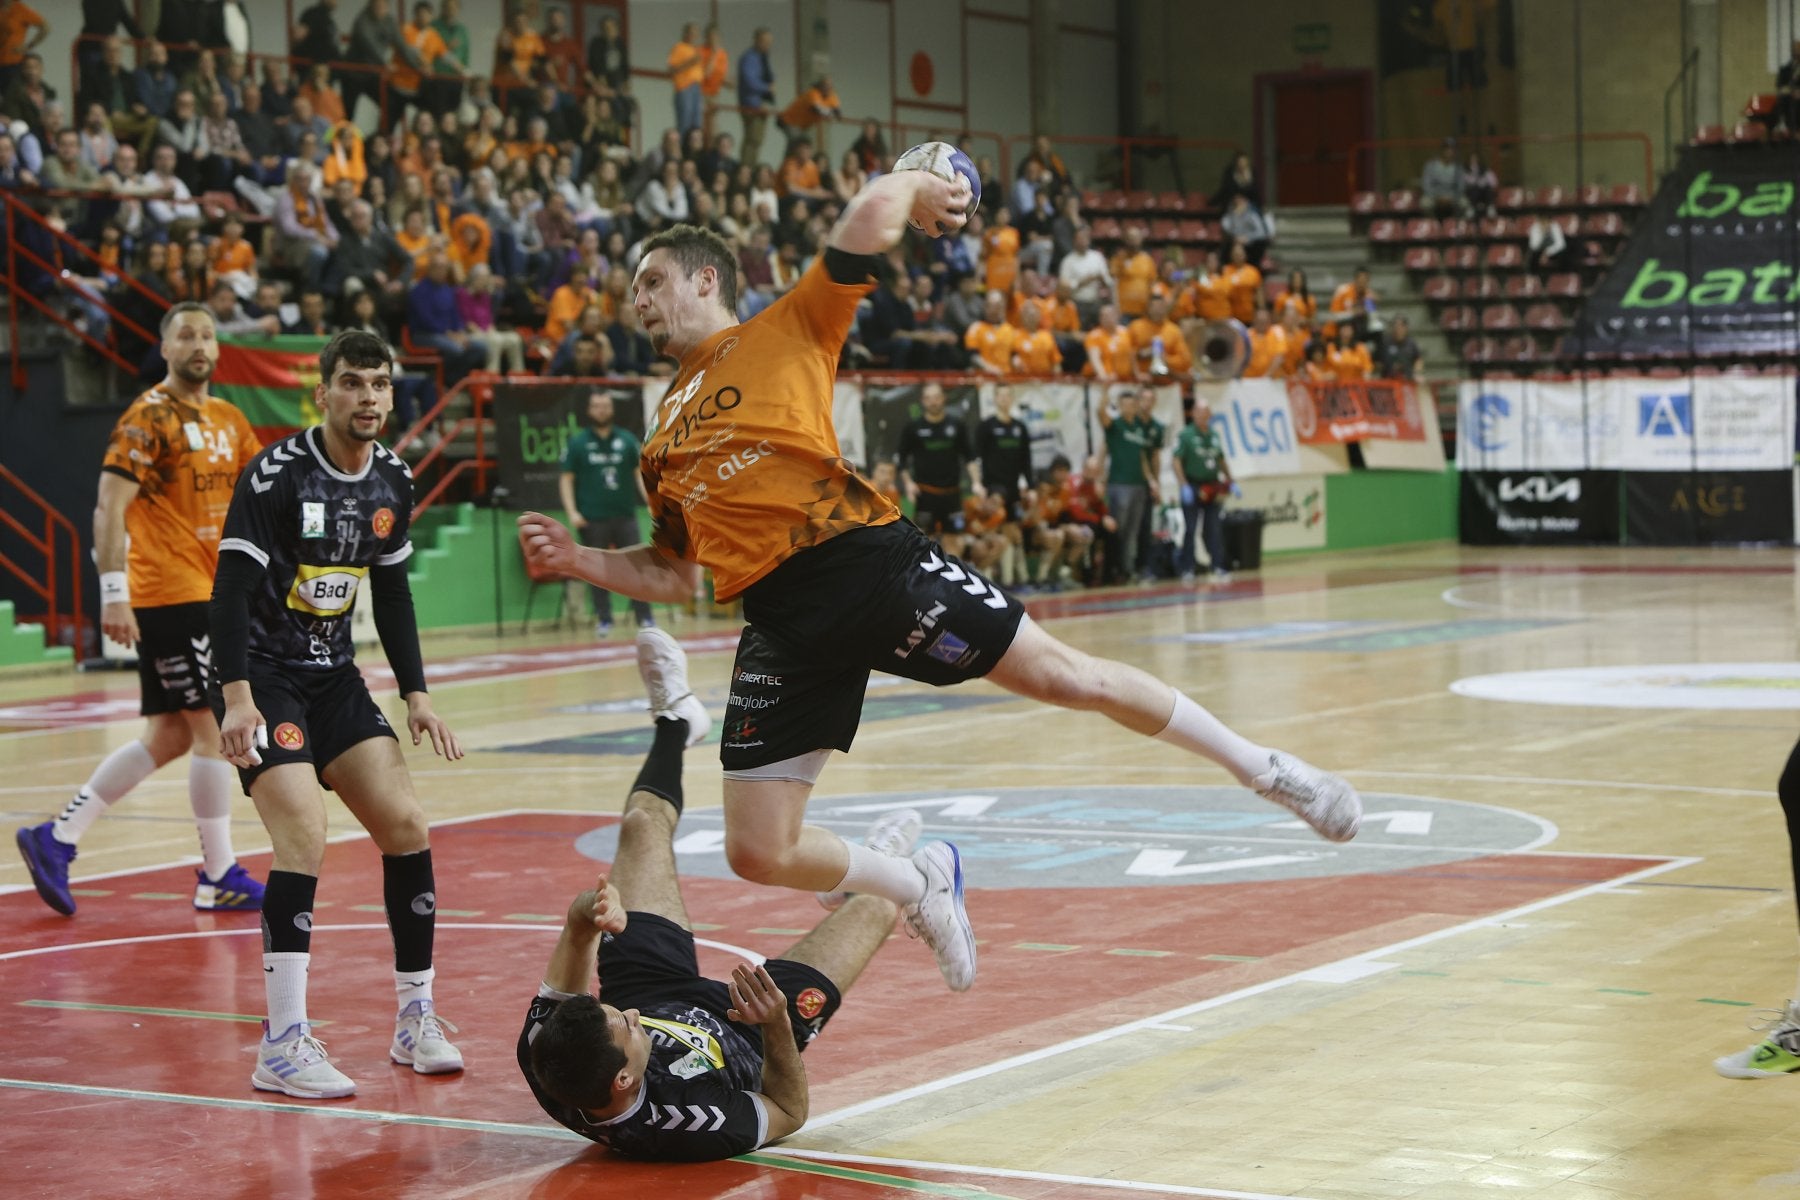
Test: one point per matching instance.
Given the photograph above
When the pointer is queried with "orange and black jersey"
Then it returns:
(741, 460)
(185, 458)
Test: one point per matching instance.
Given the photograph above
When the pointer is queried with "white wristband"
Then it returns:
(113, 589)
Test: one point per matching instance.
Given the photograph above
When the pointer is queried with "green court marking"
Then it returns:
(146, 1011)
(1141, 953)
(1232, 957)
(1622, 991)
(1728, 1003)
(89, 892)
(1528, 982)
(380, 908)
(159, 896)
(1053, 946)
(459, 912)
(536, 917)
(1429, 974)
(897, 1182)
(703, 927)
(770, 929)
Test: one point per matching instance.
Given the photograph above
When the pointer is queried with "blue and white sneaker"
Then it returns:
(419, 1041)
(294, 1062)
(940, 917)
(234, 891)
(48, 861)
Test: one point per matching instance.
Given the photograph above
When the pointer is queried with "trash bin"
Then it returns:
(1243, 530)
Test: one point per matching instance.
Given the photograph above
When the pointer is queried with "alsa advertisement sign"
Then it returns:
(1537, 508)
(1710, 268)
(1293, 510)
(1255, 421)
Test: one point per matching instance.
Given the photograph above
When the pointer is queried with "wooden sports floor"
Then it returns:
(1512, 984)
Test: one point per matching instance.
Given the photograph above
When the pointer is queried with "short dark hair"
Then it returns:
(353, 348)
(693, 248)
(178, 311)
(573, 1056)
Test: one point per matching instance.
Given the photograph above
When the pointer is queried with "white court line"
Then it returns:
(1175, 1014)
(1129, 1185)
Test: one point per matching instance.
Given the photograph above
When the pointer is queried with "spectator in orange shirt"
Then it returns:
(405, 76)
(715, 66)
(322, 94)
(1001, 258)
(1268, 348)
(1208, 298)
(519, 49)
(1111, 354)
(1160, 350)
(22, 29)
(1245, 282)
(1354, 302)
(566, 305)
(687, 69)
(811, 107)
(800, 173)
(1317, 368)
(1300, 341)
(991, 340)
(1035, 351)
(1350, 361)
(1298, 297)
(233, 259)
(1133, 272)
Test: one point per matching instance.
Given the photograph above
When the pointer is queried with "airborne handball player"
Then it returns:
(745, 478)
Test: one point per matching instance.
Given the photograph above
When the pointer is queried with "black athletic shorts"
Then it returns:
(174, 651)
(312, 716)
(654, 961)
(938, 512)
(885, 598)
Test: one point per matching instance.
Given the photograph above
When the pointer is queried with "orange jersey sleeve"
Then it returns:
(741, 460)
(994, 343)
(185, 459)
(1038, 353)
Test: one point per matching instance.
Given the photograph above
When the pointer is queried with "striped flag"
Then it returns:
(271, 380)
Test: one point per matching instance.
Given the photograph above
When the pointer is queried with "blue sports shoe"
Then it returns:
(48, 861)
(234, 891)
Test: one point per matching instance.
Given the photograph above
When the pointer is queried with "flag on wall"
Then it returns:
(271, 380)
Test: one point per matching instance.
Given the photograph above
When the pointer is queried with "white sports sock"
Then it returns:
(117, 774)
(413, 985)
(284, 981)
(209, 794)
(1194, 729)
(1794, 997)
(878, 874)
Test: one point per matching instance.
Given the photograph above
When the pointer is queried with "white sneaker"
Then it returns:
(1323, 800)
(1777, 1054)
(892, 833)
(662, 665)
(294, 1062)
(419, 1041)
(940, 917)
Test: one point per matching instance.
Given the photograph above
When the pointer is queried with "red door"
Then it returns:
(1317, 121)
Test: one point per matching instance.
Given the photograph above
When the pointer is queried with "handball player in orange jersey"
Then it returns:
(745, 478)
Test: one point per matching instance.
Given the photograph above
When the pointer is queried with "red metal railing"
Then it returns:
(900, 135)
(1490, 144)
(63, 619)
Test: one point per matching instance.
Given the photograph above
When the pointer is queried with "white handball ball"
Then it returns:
(946, 162)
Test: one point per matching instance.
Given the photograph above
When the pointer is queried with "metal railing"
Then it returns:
(1688, 66)
(63, 618)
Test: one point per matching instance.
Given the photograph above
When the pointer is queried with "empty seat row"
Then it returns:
(1389, 231)
(1405, 201)
(1141, 202)
(1499, 318)
(1448, 289)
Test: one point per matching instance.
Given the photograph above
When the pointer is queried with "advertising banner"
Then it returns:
(1703, 508)
(1539, 508)
(532, 424)
(1353, 412)
(1293, 510)
(1253, 417)
(1710, 267)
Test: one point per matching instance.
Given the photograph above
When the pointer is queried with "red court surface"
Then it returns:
(125, 1065)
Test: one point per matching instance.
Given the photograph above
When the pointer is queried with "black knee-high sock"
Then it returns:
(287, 912)
(409, 891)
(1789, 792)
(661, 772)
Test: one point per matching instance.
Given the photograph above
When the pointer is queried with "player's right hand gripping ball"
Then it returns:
(946, 162)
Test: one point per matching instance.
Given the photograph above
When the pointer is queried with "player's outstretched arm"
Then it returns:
(877, 216)
(755, 1000)
(594, 912)
(640, 572)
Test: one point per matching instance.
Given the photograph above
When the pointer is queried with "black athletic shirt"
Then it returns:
(1005, 451)
(316, 531)
(933, 452)
(699, 1101)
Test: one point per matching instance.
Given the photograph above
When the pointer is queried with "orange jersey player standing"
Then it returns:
(165, 484)
(745, 478)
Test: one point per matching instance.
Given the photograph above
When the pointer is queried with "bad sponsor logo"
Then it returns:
(325, 591)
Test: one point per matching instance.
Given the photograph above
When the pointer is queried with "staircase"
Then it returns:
(1319, 242)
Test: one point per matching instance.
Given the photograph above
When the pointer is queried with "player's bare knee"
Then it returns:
(167, 738)
(404, 832)
(646, 823)
(755, 861)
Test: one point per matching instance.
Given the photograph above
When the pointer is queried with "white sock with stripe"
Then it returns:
(413, 985)
(116, 775)
(878, 874)
(284, 982)
(209, 794)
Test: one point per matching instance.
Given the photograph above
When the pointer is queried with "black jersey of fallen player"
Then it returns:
(1005, 451)
(933, 452)
(316, 531)
(699, 1101)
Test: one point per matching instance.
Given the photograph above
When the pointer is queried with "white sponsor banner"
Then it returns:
(1057, 416)
(1253, 418)
(1525, 424)
(1293, 509)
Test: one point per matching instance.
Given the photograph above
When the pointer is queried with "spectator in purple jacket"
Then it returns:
(434, 322)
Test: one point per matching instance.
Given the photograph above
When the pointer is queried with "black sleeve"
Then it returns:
(909, 445)
(397, 625)
(238, 576)
(847, 268)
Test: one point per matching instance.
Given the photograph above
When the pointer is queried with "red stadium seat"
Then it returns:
(1495, 229)
(1439, 289)
(1165, 229)
(1549, 199)
(1403, 202)
(1091, 201)
(1519, 230)
(1462, 258)
(1545, 318)
(1750, 132)
(1603, 225)
(1139, 202)
(1518, 350)
(1524, 287)
(1214, 235)
(1110, 202)
(1191, 232)
(1365, 204)
(1171, 202)
(1566, 286)
(1505, 256)
(1422, 259)
(1481, 287)
(1386, 231)
(1762, 105)
(1499, 317)
(1510, 199)
(1481, 350)
(1626, 195)
(1108, 229)
(1590, 195)
(1422, 229)
(1196, 202)
(1459, 318)
(1709, 135)
(1455, 229)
